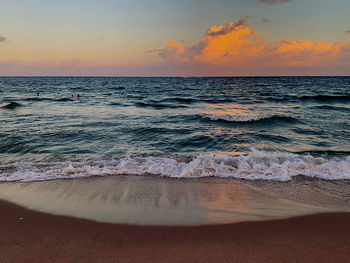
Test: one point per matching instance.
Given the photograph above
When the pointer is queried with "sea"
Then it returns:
(264, 132)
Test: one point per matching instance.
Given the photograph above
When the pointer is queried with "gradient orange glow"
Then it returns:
(232, 49)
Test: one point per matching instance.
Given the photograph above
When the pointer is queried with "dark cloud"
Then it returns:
(273, 1)
(265, 20)
(348, 31)
(228, 28)
(2, 39)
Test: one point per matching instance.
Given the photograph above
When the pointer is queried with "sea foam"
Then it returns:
(246, 118)
(257, 165)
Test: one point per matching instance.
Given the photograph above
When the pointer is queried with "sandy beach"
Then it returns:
(174, 131)
(30, 236)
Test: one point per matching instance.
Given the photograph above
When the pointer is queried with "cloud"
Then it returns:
(2, 39)
(237, 48)
(273, 1)
(265, 20)
(223, 30)
(348, 31)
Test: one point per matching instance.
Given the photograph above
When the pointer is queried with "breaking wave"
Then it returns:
(244, 118)
(257, 165)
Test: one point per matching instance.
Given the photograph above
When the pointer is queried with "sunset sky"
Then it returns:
(175, 38)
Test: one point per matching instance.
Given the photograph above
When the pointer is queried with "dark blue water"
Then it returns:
(249, 127)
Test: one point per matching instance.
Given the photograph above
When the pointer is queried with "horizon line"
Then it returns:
(155, 76)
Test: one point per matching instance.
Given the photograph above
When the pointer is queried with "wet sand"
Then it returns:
(148, 200)
(30, 236)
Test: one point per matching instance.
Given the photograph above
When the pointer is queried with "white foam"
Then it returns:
(258, 165)
(236, 118)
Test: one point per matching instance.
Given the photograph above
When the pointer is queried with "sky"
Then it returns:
(174, 38)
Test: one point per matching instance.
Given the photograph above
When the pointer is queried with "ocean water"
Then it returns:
(250, 128)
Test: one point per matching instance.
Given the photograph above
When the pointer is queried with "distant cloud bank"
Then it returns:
(239, 49)
(234, 49)
(2, 39)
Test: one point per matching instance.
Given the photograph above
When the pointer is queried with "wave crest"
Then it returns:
(9, 105)
(244, 118)
(258, 165)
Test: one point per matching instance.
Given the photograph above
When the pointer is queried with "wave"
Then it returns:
(64, 99)
(329, 107)
(328, 153)
(9, 105)
(47, 99)
(280, 99)
(244, 118)
(323, 98)
(156, 105)
(257, 165)
(317, 98)
(116, 104)
(36, 99)
(179, 99)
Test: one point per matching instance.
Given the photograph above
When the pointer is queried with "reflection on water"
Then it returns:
(228, 110)
(160, 201)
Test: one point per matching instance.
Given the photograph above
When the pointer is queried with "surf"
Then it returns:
(256, 165)
(248, 119)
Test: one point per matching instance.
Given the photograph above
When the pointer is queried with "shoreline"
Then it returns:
(27, 235)
(143, 200)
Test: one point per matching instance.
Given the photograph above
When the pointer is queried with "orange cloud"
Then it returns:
(240, 41)
(177, 47)
(296, 53)
(239, 47)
